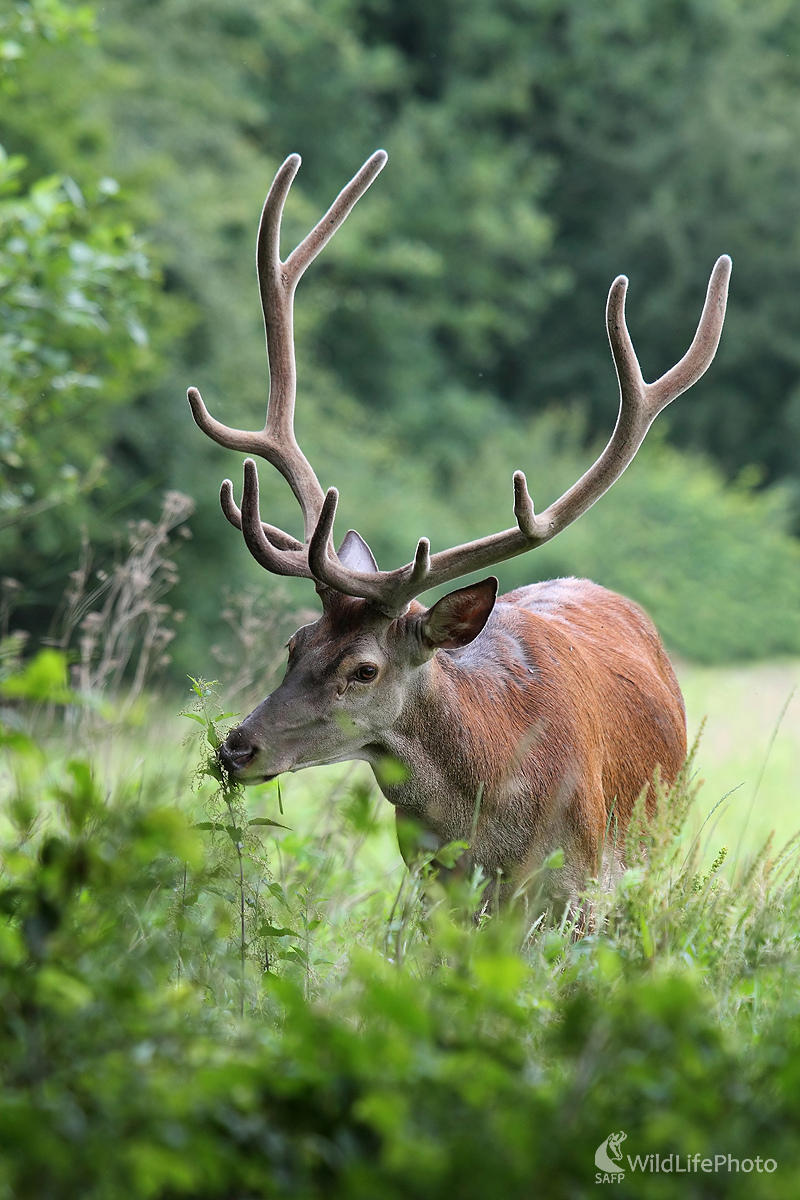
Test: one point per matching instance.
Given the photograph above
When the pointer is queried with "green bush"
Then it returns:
(401, 1049)
(82, 314)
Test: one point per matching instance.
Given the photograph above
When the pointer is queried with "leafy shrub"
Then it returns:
(75, 287)
(492, 1062)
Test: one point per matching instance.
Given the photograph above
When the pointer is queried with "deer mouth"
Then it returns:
(236, 760)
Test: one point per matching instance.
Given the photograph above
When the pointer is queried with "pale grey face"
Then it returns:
(344, 683)
(349, 677)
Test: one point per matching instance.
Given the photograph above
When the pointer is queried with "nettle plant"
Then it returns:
(278, 911)
(237, 868)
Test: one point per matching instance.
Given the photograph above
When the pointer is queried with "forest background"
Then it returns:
(452, 332)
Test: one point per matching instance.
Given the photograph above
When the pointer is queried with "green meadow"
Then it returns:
(748, 720)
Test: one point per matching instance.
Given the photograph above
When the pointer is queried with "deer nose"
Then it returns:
(237, 751)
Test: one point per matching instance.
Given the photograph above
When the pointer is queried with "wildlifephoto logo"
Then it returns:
(612, 1164)
(608, 1157)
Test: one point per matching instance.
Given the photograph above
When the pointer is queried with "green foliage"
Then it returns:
(43, 679)
(536, 150)
(75, 288)
(666, 134)
(137, 1059)
(29, 20)
(474, 271)
(79, 304)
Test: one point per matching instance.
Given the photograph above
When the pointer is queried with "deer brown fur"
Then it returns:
(522, 724)
(559, 713)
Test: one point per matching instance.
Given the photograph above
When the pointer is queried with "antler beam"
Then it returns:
(276, 442)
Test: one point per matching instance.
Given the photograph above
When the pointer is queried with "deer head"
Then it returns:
(368, 658)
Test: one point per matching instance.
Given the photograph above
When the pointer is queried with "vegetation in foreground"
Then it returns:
(199, 1001)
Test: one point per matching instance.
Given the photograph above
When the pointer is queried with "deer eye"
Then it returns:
(365, 673)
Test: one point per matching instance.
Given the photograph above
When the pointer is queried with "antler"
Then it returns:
(640, 404)
(278, 551)
(391, 591)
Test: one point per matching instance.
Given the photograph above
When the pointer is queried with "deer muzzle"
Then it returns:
(238, 751)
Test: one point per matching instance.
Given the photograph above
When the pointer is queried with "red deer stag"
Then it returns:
(553, 704)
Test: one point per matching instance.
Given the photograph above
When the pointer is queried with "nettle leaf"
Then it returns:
(294, 955)
(266, 821)
(277, 891)
(449, 855)
(233, 831)
(276, 931)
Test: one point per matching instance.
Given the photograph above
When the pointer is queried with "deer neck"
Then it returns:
(455, 739)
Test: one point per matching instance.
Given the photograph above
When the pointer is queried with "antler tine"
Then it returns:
(288, 459)
(228, 505)
(700, 355)
(283, 541)
(278, 561)
(385, 589)
(277, 297)
(324, 230)
(324, 563)
(640, 404)
(223, 435)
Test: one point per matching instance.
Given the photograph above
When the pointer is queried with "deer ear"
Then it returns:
(356, 554)
(458, 618)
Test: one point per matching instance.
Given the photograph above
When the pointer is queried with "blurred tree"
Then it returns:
(671, 134)
(537, 149)
(75, 285)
